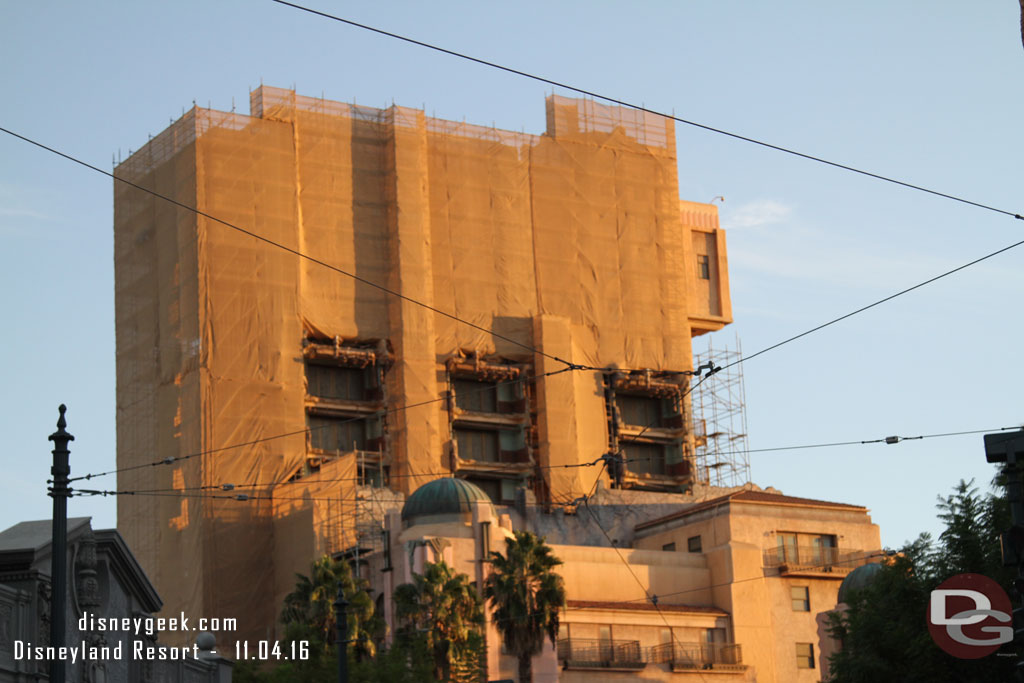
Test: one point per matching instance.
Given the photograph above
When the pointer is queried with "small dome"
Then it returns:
(858, 579)
(450, 497)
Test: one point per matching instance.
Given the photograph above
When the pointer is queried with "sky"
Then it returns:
(927, 92)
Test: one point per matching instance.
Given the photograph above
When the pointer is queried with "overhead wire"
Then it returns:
(633, 105)
(295, 252)
(822, 326)
(653, 599)
(568, 365)
(640, 107)
(376, 414)
(311, 482)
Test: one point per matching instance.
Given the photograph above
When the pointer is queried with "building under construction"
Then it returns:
(498, 306)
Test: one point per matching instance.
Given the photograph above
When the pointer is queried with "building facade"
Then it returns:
(736, 586)
(109, 601)
(500, 307)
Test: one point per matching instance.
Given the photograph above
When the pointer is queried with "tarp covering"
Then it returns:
(572, 241)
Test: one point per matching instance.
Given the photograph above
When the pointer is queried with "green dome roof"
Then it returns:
(858, 579)
(447, 496)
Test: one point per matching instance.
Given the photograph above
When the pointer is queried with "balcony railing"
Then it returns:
(606, 654)
(815, 559)
(682, 656)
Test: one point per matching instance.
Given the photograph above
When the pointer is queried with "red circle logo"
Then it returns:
(970, 616)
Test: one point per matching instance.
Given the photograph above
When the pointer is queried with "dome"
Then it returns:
(858, 579)
(453, 498)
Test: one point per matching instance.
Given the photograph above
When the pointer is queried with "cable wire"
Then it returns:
(295, 252)
(889, 440)
(569, 365)
(308, 430)
(872, 305)
(644, 109)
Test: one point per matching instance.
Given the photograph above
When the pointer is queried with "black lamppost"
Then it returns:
(59, 558)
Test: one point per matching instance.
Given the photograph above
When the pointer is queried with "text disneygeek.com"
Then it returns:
(138, 649)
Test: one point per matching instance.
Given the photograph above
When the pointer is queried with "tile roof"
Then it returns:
(760, 497)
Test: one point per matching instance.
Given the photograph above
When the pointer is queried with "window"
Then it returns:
(490, 424)
(693, 544)
(646, 424)
(669, 547)
(477, 444)
(342, 434)
(703, 267)
(801, 598)
(665, 637)
(644, 458)
(348, 384)
(787, 547)
(499, 490)
(605, 644)
(715, 636)
(485, 540)
(478, 397)
(641, 411)
(805, 655)
(824, 549)
(502, 397)
(345, 406)
(806, 550)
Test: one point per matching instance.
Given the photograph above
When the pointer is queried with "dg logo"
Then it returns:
(970, 616)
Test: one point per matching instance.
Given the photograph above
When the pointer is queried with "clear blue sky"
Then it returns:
(929, 92)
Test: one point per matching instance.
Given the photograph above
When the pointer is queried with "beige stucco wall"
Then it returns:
(734, 536)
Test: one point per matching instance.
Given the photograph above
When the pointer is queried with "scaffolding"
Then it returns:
(720, 420)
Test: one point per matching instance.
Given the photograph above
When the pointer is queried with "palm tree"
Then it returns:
(444, 609)
(308, 612)
(526, 595)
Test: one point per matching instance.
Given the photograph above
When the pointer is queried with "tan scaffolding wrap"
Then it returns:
(571, 240)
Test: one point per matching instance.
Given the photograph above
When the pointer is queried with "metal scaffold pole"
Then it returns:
(719, 412)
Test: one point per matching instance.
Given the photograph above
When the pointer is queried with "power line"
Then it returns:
(231, 486)
(653, 599)
(296, 252)
(890, 440)
(569, 365)
(872, 305)
(170, 460)
(644, 109)
(308, 430)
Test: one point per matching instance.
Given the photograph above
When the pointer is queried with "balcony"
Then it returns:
(609, 655)
(699, 656)
(815, 561)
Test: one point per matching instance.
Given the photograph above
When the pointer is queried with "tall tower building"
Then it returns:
(469, 266)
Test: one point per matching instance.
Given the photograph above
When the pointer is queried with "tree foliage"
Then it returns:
(308, 615)
(441, 608)
(883, 632)
(308, 612)
(526, 595)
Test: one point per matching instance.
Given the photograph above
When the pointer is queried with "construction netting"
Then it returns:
(571, 241)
